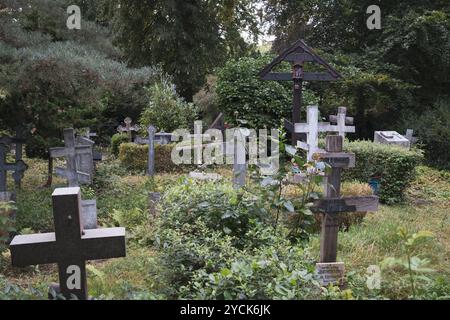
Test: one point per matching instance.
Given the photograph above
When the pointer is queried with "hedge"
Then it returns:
(392, 165)
(117, 140)
(135, 157)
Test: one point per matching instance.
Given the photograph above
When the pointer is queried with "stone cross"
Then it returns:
(18, 167)
(72, 173)
(333, 203)
(313, 127)
(128, 128)
(70, 246)
(151, 150)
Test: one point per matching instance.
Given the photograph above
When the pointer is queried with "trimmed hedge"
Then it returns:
(117, 140)
(393, 165)
(135, 157)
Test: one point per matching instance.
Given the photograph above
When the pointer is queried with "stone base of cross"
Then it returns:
(70, 246)
(332, 205)
(313, 127)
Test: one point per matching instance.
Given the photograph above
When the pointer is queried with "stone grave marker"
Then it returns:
(392, 138)
(331, 273)
(71, 151)
(70, 246)
(333, 204)
(313, 127)
(96, 155)
(128, 128)
(341, 120)
(85, 160)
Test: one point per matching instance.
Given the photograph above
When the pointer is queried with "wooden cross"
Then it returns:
(18, 167)
(312, 129)
(69, 246)
(342, 120)
(72, 173)
(333, 204)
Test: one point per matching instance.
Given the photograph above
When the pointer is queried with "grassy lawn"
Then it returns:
(123, 200)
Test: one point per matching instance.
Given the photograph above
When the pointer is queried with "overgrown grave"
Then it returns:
(70, 246)
(79, 170)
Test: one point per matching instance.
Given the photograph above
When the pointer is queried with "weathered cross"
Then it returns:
(128, 128)
(151, 130)
(71, 151)
(69, 246)
(333, 204)
(313, 127)
(18, 167)
(341, 120)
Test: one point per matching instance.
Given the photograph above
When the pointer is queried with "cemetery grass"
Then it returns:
(123, 200)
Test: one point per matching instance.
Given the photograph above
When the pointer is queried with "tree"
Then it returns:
(188, 38)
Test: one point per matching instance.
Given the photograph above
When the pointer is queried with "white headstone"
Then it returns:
(391, 138)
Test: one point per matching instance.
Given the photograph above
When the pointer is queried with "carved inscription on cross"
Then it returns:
(18, 167)
(71, 152)
(313, 127)
(70, 246)
(332, 204)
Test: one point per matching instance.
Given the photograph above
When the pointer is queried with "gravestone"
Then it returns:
(313, 127)
(18, 167)
(341, 120)
(240, 158)
(71, 152)
(333, 204)
(128, 128)
(391, 138)
(96, 155)
(70, 246)
(89, 214)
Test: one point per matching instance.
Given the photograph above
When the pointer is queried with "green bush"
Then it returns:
(135, 157)
(241, 94)
(433, 130)
(393, 165)
(167, 111)
(116, 141)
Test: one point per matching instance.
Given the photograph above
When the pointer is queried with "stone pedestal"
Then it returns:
(391, 138)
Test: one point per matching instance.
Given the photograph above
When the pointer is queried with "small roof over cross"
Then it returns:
(70, 246)
(313, 127)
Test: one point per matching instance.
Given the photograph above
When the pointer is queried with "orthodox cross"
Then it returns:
(333, 203)
(70, 246)
(298, 54)
(71, 151)
(313, 127)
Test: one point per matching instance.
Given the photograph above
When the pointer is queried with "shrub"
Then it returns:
(135, 157)
(393, 165)
(433, 131)
(241, 93)
(166, 110)
(116, 141)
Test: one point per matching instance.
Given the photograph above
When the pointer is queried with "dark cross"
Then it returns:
(18, 167)
(297, 55)
(69, 246)
(72, 173)
(333, 204)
